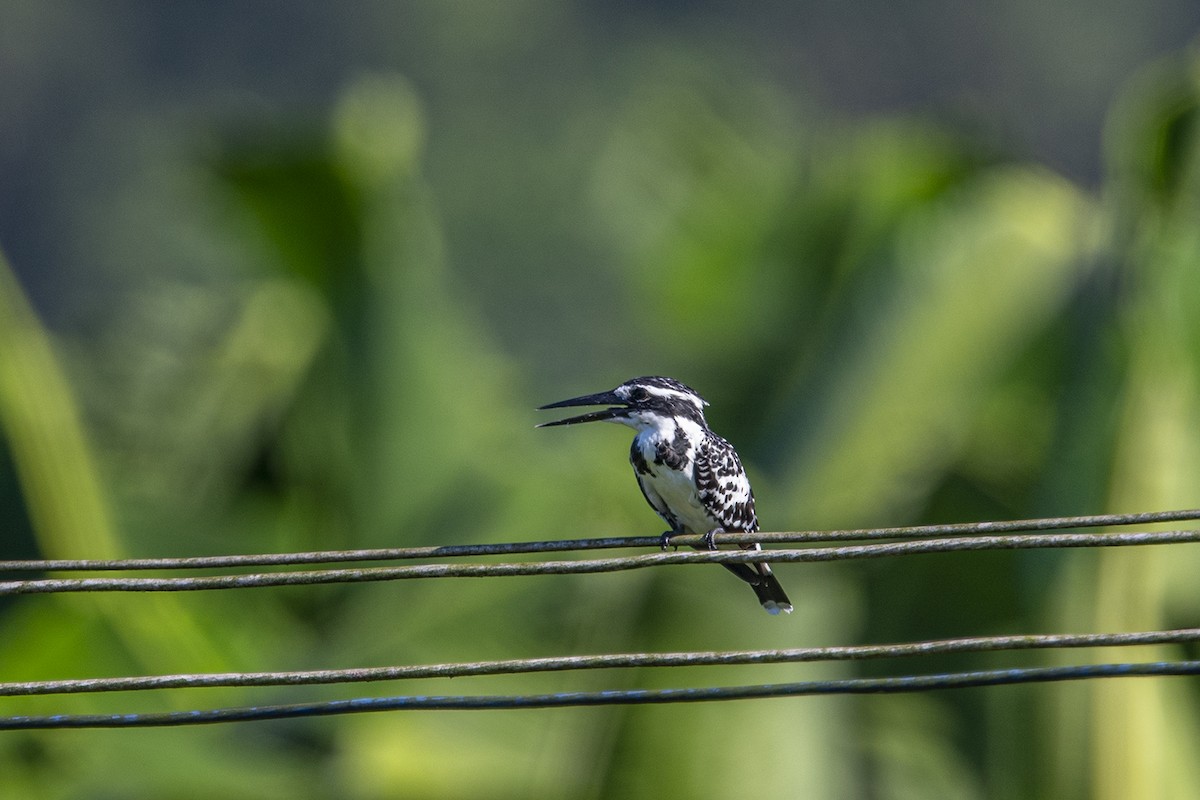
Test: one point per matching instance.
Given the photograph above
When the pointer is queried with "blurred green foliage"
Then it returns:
(894, 323)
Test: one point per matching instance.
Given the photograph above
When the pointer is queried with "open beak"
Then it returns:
(601, 399)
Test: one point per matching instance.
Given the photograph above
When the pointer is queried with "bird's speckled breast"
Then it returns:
(664, 461)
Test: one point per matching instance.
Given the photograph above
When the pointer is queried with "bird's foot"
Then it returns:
(665, 540)
(708, 538)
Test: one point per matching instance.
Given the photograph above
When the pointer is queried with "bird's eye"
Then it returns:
(638, 394)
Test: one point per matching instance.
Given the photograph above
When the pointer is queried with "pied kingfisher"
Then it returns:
(689, 475)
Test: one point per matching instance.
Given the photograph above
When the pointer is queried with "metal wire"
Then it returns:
(974, 644)
(591, 566)
(563, 545)
(1008, 535)
(911, 683)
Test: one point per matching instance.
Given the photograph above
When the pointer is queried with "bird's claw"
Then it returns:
(708, 538)
(665, 540)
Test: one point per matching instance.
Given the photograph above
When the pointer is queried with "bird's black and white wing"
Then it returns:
(724, 491)
(723, 487)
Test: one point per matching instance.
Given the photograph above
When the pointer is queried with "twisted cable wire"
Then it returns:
(562, 545)
(973, 644)
(592, 566)
(903, 684)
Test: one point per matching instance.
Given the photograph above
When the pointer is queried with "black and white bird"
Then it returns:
(689, 475)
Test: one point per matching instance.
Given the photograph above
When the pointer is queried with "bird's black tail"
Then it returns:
(765, 585)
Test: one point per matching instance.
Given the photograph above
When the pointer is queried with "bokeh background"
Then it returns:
(286, 277)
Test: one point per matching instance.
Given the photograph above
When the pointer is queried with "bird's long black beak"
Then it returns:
(601, 399)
